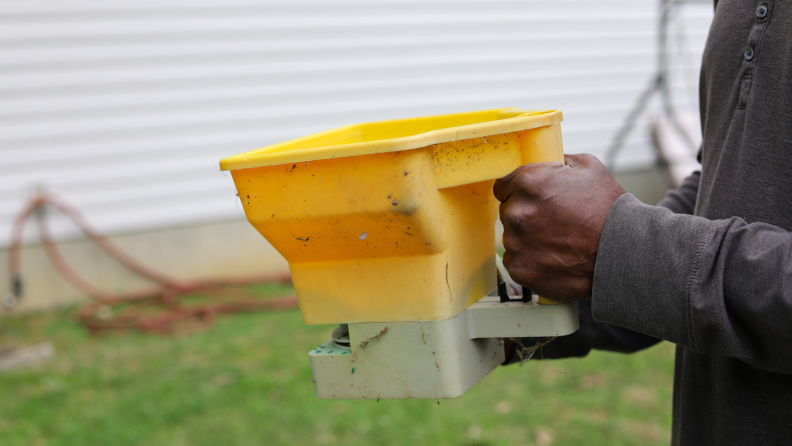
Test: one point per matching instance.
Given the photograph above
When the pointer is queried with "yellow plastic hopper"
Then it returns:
(391, 220)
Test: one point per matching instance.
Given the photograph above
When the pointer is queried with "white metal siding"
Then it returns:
(125, 107)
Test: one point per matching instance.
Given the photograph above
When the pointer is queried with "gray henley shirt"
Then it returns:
(710, 269)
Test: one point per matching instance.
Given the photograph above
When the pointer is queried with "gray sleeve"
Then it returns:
(591, 335)
(682, 200)
(718, 287)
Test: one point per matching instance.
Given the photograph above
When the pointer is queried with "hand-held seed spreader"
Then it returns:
(388, 228)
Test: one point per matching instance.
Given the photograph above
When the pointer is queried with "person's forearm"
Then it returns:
(682, 200)
(592, 335)
(717, 287)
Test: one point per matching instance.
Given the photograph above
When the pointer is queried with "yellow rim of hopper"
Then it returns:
(333, 143)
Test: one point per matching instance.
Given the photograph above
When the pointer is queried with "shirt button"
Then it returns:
(749, 53)
(761, 11)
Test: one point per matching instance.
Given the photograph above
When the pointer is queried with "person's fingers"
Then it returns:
(524, 178)
(502, 187)
(511, 243)
(583, 160)
(529, 176)
(522, 274)
(502, 216)
(570, 288)
(512, 214)
(507, 259)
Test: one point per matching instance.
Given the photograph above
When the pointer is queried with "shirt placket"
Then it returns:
(751, 55)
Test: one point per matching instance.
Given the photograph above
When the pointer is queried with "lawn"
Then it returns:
(247, 381)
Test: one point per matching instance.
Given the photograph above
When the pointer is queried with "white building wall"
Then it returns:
(124, 108)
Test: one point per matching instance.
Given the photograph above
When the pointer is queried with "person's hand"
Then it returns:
(553, 214)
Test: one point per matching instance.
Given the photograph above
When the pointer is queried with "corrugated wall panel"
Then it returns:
(125, 108)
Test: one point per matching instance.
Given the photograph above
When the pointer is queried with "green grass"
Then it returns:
(247, 381)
